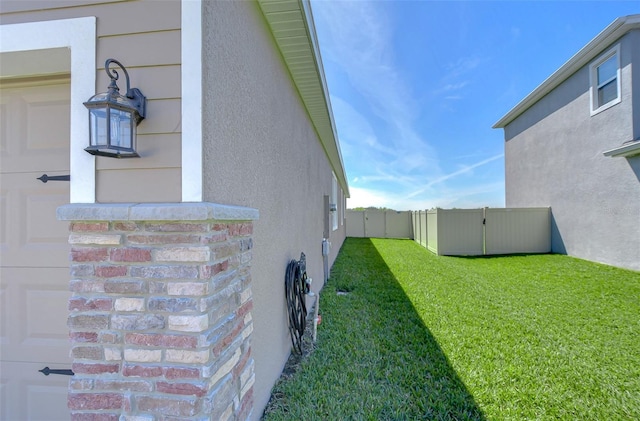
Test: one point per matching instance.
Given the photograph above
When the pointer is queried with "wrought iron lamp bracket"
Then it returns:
(139, 101)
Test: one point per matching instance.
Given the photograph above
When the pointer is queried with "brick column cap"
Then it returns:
(200, 211)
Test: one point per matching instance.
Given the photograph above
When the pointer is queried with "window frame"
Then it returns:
(593, 79)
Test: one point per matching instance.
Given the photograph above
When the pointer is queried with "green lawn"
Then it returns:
(503, 338)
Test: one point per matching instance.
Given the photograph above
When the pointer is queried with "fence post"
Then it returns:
(364, 223)
(484, 231)
(386, 233)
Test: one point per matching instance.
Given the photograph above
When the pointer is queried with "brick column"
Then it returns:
(160, 317)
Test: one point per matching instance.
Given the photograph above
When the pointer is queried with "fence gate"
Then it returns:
(379, 224)
(475, 232)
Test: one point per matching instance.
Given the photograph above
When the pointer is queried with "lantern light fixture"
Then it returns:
(113, 118)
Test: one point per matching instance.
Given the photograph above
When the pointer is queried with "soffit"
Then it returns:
(291, 23)
(603, 40)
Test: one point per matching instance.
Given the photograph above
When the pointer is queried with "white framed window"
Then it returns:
(604, 74)
(334, 203)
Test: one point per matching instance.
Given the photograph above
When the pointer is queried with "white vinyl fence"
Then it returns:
(379, 224)
(522, 230)
(419, 220)
(474, 232)
(460, 232)
(455, 232)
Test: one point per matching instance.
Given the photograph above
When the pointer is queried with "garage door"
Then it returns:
(34, 268)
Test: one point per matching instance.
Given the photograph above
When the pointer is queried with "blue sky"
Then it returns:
(415, 87)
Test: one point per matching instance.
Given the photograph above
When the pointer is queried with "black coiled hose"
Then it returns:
(295, 286)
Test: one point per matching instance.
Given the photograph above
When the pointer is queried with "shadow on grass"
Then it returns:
(374, 358)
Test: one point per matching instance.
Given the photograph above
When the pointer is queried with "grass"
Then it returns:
(503, 338)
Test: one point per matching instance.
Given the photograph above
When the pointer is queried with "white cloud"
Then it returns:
(374, 161)
(376, 113)
(360, 43)
(477, 196)
(465, 169)
(449, 87)
(462, 66)
(365, 197)
(457, 78)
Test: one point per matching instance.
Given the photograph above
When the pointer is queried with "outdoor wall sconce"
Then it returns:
(113, 118)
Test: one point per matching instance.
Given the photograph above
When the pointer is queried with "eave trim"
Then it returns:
(627, 150)
(291, 25)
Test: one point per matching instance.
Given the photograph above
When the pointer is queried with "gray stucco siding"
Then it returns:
(634, 56)
(554, 158)
(260, 148)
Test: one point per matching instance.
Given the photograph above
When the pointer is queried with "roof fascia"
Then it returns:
(311, 28)
(604, 39)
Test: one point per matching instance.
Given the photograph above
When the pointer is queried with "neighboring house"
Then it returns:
(175, 260)
(574, 144)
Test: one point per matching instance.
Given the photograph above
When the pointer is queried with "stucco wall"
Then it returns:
(634, 39)
(554, 158)
(262, 151)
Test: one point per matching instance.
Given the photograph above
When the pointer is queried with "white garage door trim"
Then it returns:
(79, 35)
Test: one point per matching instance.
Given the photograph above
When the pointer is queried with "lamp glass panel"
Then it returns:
(121, 135)
(98, 126)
